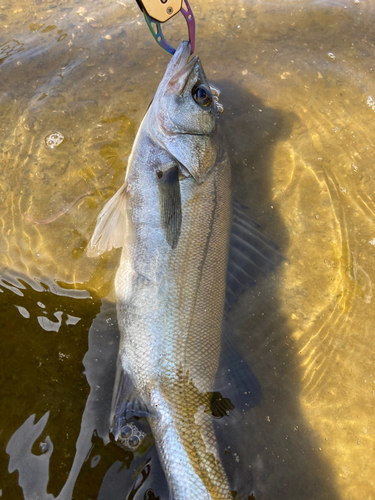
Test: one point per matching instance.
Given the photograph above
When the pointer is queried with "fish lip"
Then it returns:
(183, 73)
(181, 56)
(179, 60)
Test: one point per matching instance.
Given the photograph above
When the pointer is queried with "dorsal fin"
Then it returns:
(251, 254)
(235, 382)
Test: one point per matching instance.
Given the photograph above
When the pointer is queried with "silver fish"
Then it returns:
(172, 219)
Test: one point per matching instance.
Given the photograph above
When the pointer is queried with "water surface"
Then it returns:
(297, 81)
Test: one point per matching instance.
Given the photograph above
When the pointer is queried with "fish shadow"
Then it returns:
(274, 452)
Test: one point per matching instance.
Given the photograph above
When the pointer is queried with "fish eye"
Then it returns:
(202, 95)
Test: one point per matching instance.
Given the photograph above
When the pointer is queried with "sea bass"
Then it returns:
(172, 218)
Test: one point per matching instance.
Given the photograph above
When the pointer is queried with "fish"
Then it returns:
(173, 218)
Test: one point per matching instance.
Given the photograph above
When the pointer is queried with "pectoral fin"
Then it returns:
(170, 204)
(113, 225)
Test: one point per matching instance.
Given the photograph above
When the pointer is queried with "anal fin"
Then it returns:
(125, 403)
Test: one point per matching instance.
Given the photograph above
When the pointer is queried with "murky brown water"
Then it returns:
(297, 81)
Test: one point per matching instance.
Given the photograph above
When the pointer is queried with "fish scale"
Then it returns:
(172, 218)
(206, 473)
(189, 337)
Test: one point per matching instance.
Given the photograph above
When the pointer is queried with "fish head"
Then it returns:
(184, 114)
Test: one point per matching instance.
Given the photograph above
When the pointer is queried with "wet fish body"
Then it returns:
(172, 218)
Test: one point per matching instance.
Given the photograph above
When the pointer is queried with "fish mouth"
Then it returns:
(181, 77)
(180, 57)
(178, 62)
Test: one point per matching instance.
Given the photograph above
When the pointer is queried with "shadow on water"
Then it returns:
(55, 433)
(272, 454)
(44, 337)
(277, 450)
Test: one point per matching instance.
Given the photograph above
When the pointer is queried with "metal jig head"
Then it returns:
(157, 12)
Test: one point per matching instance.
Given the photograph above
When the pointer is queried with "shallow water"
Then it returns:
(297, 82)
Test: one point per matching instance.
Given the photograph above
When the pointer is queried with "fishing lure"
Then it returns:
(157, 12)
